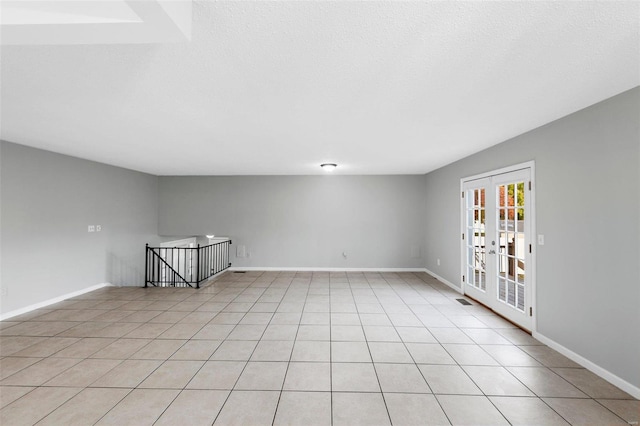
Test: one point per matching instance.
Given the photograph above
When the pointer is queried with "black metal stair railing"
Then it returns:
(165, 274)
(185, 266)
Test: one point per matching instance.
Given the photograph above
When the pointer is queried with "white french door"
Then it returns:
(497, 245)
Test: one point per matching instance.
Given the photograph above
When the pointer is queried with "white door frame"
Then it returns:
(532, 216)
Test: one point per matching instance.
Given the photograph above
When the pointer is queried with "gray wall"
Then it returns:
(588, 208)
(302, 221)
(48, 200)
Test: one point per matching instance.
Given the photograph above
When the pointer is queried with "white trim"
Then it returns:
(632, 390)
(176, 243)
(463, 231)
(211, 277)
(39, 305)
(216, 240)
(526, 165)
(534, 244)
(318, 269)
(531, 165)
(444, 281)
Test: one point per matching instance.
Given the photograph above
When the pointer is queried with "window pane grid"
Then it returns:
(476, 256)
(511, 240)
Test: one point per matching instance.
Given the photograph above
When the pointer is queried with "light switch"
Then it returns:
(540, 239)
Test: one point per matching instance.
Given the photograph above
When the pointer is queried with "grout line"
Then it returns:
(386, 406)
(416, 364)
(330, 348)
(247, 362)
(607, 408)
(401, 285)
(155, 369)
(284, 379)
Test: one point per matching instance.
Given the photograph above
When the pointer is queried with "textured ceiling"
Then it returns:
(280, 87)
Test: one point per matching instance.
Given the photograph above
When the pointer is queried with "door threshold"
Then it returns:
(500, 315)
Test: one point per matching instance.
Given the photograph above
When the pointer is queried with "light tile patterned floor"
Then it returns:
(287, 348)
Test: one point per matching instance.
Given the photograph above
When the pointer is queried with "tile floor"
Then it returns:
(264, 348)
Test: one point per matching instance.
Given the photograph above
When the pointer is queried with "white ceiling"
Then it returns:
(280, 87)
(70, 22)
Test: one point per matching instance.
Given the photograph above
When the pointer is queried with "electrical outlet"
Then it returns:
(241, 251)
(91, 228)
(4, 291)
(438, 262)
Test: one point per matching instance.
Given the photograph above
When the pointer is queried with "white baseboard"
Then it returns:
(7, 315)
(212, 277)
(442, 280)
(312, 269)
(594, 368)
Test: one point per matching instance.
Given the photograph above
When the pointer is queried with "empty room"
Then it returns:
(319, 212)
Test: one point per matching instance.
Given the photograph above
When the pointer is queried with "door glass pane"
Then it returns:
(475, 238)
(502, 289)
(510, 213)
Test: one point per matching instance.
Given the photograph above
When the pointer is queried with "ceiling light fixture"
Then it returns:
(328, 167)
(210, 236)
